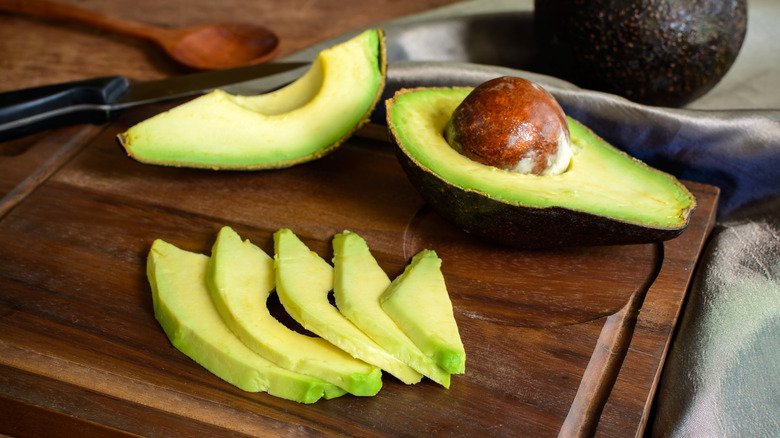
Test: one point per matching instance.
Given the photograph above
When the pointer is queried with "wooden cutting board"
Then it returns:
(567, 342)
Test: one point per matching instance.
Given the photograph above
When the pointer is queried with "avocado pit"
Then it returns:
(513, 124)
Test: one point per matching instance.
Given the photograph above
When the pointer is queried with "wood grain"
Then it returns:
(39, 52)
(566, 342)
(550, 334)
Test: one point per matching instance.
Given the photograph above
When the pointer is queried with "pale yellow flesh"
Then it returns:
(359, 282)
(418, 301)
(240, 278)
(303, 282)
(312, 114)
(599, 180)
(183, 307)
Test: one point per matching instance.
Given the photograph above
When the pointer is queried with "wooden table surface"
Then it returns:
(38, 52)
(570, 341)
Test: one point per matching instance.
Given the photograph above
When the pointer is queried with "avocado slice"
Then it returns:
(359, 281)
(604, 197)
(300, 122)
(303, 283)
(240, 278)
(184, 309)
(418, 301)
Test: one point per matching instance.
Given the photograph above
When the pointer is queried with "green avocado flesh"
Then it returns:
(240, 279)
(184, 309)
(303, 283)
(215, 311)
(359, 281)
(603, 186)
(418, 301)
(299, 122)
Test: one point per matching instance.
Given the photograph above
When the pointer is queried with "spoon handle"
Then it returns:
(73, 14)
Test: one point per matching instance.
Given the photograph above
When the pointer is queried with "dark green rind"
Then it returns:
(523, 227)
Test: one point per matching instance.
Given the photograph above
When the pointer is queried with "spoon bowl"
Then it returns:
(220, 46)
(208, 47)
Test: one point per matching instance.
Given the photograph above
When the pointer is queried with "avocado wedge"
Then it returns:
(604, 197)
(418, 301)
(240, 278)
(184, 309)
(359, 281)
(300, 122)
(303, 283)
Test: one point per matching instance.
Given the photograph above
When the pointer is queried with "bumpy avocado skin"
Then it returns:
(656, 52)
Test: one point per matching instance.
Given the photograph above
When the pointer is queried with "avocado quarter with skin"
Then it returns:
(604, 197)
(300, 122)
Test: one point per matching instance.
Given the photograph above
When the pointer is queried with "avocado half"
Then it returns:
(605, 196)
(300, 122)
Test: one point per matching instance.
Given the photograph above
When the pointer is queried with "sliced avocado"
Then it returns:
(418, 301)
(359, 281)
(604, 197)
(184, 309)
(240, 278)
(303, 282)
(300, 122)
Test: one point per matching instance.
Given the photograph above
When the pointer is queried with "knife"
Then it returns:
(98, 100)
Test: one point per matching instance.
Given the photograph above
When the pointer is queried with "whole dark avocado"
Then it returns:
(655, 52)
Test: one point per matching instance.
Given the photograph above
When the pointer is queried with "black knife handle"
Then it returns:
(24, 112)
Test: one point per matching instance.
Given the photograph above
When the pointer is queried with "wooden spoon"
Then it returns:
(207, 47)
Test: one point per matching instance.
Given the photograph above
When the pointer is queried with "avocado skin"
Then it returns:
(517, 226)
(655, 52)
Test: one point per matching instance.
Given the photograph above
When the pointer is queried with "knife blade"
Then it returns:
(24, 112)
